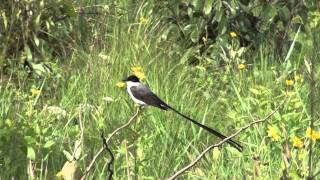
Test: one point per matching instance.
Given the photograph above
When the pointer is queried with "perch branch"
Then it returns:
(194, 162)
(107, 141)
(106, 147)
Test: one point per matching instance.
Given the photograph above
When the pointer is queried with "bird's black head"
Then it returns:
(132, 78)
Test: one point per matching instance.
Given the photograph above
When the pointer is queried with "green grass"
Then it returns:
(159, 142)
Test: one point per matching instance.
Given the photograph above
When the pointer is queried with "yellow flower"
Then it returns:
(297, 142)
(289, 82)
(273, 134)
(120, 84)
(312, 134)
(143, 20)
(233, 34)
(241, 66)
(34, 92)
(139, 74)
(136, 68)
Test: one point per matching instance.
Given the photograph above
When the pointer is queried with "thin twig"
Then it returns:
(125, 125)
(108, 139)
(105, 145)
(181, 171)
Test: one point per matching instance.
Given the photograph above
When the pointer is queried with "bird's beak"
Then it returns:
(124, 80)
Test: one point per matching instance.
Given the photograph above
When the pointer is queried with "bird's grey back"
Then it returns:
(144, 94)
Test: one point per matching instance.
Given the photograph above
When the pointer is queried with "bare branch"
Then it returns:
(106, 147)
(107, 141)
(181, 171)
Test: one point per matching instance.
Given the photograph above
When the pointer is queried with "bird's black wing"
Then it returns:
(144, 94)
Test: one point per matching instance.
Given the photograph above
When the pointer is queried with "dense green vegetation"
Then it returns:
(224, 63)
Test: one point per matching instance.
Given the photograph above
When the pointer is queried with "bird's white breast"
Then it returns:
(132, 84)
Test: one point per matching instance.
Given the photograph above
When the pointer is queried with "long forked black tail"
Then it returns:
(212, 131)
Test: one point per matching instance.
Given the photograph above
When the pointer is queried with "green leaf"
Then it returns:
(284, 14)
(308, 66)
(68, 8)
(37, 21)
(196, 4)
(294, 175)
(222, 27)
(187, 55)
(48, 144)
(36, 40)
(37, 129)
(255, 91)
(31, 154)
(68, 155)
(269, 13)
(5, 21)
(218, 5)
(298, 105)
(218, 16)
(207, 7)
(297, 20)
(77, 149)
(195, 35)
(41, 69)
(277, 115)
(188, 28)
(28, 52)
(29, 140)
(172, 28)
(190, 12)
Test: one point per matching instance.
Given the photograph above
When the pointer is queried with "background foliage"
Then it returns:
(224, 63)
(204, 26)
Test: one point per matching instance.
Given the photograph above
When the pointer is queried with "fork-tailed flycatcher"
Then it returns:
(142, 95)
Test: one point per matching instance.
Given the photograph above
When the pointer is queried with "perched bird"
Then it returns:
(143, 96)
